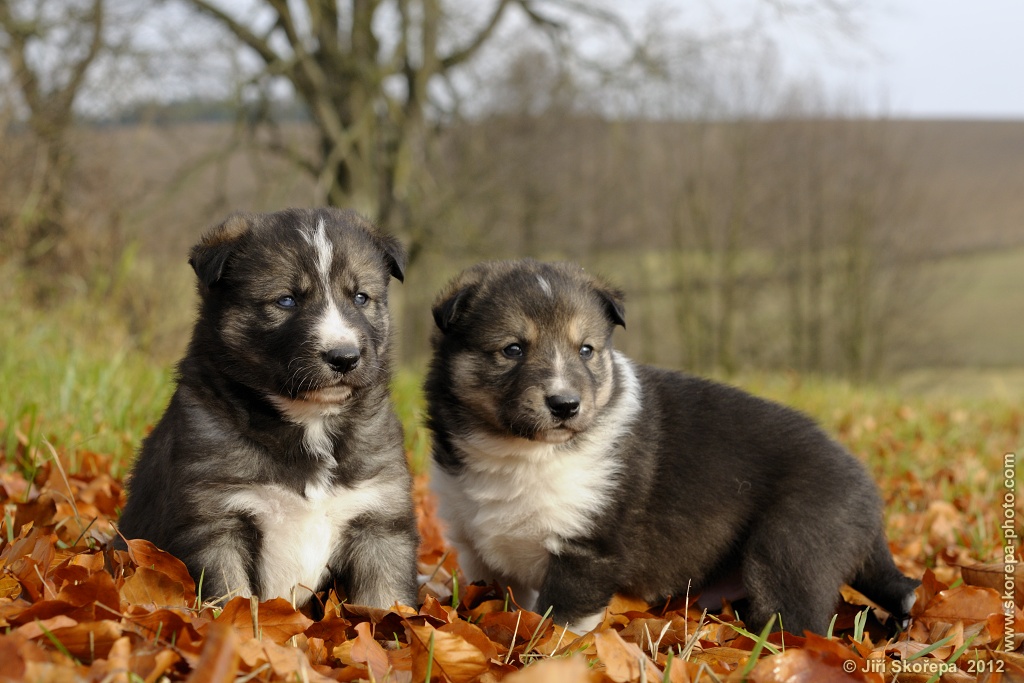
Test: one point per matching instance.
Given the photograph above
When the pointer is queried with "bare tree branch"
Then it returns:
(467, 52)
(260, 45)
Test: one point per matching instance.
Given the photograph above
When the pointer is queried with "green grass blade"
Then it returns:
(759, 644)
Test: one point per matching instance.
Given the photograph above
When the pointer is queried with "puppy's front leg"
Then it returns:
(378, 567)
(578, 586)
(227, 560)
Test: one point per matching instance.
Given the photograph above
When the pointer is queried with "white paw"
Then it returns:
(587, 624)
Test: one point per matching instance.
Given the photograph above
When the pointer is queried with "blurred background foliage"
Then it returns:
(757, 222)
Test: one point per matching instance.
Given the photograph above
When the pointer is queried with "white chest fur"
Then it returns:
(516, 500)
(301, 533)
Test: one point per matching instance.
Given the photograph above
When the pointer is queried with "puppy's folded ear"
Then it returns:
(447, 309)
(210, 255)
(613, 308)
(453, 299)
(394, 255)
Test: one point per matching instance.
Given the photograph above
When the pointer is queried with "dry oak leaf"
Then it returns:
(169, 624)
(624, 662)
(117, 663)
(331, 630)
(473, 635)
(141, 665)
(35, 629)
(218, 661)
(145, 554)
(88, 639)
(95, 596)
(154, 589)
(76, 569)
(29, 560)
(558, 670)
(387, 623)
(969, 604)
(289, 663)
(369, 653)
(720, 658)
(926, 592)
(15, 651)
(455, 659)
(664, 632)
(435, 610)
(277, 620)
(995, 576)
(820, 661)
(506, 628)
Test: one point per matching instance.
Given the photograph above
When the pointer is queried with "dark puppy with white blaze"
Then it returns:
(570, 473)
(278, 467)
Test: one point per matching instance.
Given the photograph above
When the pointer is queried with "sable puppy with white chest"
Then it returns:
(278, 467)
(570, 473)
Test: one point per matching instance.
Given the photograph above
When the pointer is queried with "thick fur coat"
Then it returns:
(278, 467)
(570, 473)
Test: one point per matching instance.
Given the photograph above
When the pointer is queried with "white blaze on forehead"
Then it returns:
(331, 330)
(545, 285)
(317, 239)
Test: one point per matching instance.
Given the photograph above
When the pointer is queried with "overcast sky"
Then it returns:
(948, 58)
(920, 58)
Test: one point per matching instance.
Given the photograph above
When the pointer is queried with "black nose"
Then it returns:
(342, 359)
(563, 406)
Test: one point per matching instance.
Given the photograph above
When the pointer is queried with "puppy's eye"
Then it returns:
(287, 301)
(513, 351)
(361, 299)
(586, 352)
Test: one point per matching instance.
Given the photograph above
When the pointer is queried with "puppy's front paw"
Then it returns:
(587, 624)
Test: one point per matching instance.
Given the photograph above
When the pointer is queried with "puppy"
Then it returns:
(570, 473)
(278, 467)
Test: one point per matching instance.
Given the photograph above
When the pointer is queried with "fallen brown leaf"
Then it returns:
(368, 652)
(278, 620)
(624, 662)
(145, 554)
(154, 589)
(969, 604)
(454, 658)
(995, 576)
(218, 662)
(560, 670)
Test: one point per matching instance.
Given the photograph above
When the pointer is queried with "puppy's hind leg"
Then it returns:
(788, 574)
(378, 566)
(880, 580)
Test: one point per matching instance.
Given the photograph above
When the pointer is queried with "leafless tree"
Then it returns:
(72, 33)
(371, 72)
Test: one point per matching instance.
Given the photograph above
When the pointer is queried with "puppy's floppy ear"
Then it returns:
(613, 308)
(209, 256)
(453, 299)
(446, 310)
(395, 255)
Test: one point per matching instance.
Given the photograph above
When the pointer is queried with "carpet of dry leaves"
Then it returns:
(72, 608)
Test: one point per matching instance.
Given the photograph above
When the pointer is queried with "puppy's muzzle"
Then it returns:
(342, 359)
(563, 406)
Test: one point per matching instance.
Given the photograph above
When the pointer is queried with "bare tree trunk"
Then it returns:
(49, 98)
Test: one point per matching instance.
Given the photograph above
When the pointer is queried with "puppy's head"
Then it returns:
(298, 299)
(525, 347)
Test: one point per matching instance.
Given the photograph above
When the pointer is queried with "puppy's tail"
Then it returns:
(880, 580)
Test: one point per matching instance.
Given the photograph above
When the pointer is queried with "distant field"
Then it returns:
(978, 311)
(963, 181)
